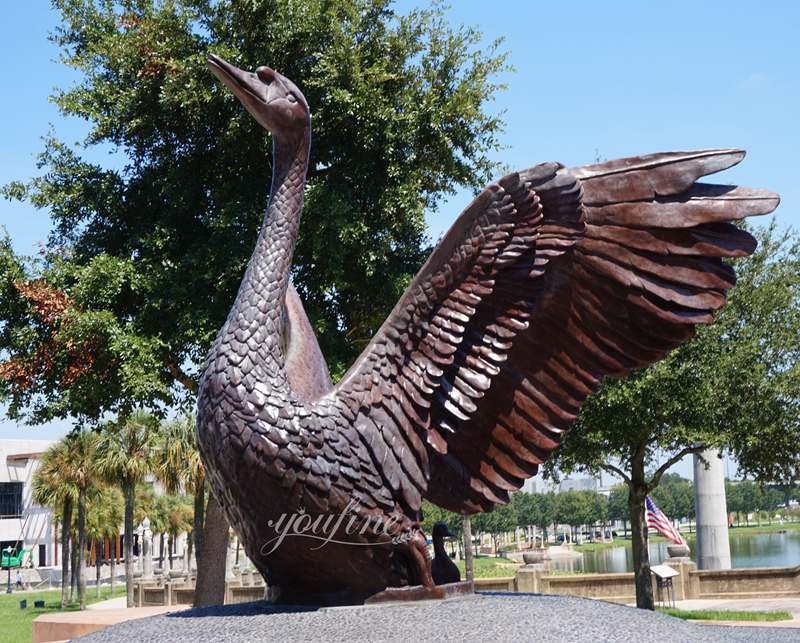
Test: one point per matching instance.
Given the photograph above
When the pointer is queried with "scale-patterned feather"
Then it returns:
(551, 280)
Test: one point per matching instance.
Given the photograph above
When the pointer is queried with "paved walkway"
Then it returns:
(110, 604)
(791, 605)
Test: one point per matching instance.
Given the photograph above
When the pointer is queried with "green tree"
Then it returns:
(431, 514)
(496, 522)
(178, 466)
(618, 505)
(735, 385)
(83, 473)
(675, 496)
(124, 458)
(146, 253)
(53, 487)
(525, 509)
(577, 508)
(157, 510)
(546, 506)
(104, 514)
(733, 499)
(151, 254)
(179, 520)
(750, 496)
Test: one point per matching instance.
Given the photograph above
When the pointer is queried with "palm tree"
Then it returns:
(179, 520)
(53, 487)
(179, 468)
(159, 518)
(124, 458)
(103, 519)
(85, 475)
(76, 468)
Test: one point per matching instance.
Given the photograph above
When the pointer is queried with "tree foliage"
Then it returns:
(747, 497)
(675, 496)
(147, 250)
(618, 503)
(431, 514)
(735, 385)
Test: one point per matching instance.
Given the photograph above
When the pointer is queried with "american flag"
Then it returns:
(658, 521)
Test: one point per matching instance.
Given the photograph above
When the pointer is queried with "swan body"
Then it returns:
(443, 569)
(552, 279)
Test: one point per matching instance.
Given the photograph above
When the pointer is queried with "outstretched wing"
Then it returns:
(551, 280)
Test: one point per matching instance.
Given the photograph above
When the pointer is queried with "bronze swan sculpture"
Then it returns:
(443, 569)
(552, 279)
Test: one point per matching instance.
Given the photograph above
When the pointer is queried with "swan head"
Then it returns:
(272, 99)
(441, 531)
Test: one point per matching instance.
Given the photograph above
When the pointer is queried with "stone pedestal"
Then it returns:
(529, 578)
(685, 584)
(713, 547)
(678, 553)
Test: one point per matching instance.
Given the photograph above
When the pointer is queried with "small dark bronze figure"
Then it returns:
(443, 569)
(552, 279)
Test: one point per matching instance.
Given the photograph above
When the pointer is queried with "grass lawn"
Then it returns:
(619, 541)
(598, 546)
(15, 623)
(725, 615)
(765, 528)
(490, 567)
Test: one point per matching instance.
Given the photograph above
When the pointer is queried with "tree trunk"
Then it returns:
(468, 561)
(73, 565)
(641, 557)
(112, 562)
(199, 520)
(66, 521)
(210, 586)
(97, 563)
(161, 550)
(129, 491)
(82, 548)
(170, 547)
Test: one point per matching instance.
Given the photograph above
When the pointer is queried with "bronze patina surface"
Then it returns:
(552, 279)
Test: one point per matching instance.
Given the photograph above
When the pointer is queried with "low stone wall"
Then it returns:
(755, 582)
(159, 591)
(761, 582)
(500, 584)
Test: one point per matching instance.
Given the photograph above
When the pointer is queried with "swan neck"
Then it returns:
(438, 547)
(260, 306)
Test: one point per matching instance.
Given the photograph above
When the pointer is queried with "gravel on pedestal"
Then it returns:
(489, 617)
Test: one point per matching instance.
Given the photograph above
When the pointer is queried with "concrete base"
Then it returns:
(493, 617)
(63, 626)
(420, 593)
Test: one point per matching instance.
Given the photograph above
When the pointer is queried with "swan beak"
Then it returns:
(245, 85)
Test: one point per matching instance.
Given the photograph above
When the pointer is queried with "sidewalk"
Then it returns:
(791, 605)
(110, 604)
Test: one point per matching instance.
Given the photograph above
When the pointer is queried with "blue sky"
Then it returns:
(592, 78)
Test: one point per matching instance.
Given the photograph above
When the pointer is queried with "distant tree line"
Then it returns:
(594, 512)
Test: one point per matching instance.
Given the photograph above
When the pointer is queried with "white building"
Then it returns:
(23, 524)
(578, 484)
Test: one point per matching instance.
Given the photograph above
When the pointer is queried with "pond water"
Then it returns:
(747, 550)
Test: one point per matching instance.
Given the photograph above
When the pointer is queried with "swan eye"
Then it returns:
(291, 98)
